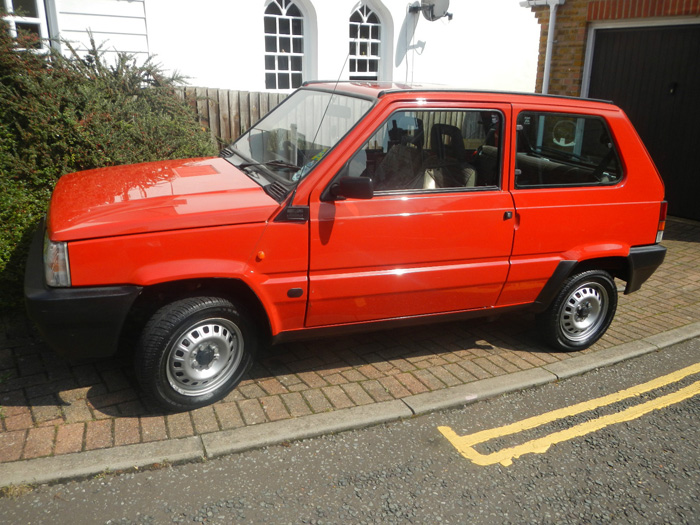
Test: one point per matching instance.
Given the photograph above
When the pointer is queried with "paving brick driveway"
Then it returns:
(49, 406)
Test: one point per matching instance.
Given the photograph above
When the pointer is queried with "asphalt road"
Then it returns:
(645, 470)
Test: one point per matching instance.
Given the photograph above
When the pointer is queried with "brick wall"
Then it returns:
(573, 18)
(623, 9)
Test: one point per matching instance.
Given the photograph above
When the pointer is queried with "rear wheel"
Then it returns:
(193, 352)
(581, 313)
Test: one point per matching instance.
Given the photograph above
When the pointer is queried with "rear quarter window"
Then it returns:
(564, 150)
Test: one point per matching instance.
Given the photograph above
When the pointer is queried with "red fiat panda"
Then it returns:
(350, 206)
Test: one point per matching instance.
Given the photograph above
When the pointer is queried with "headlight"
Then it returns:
(56, 267)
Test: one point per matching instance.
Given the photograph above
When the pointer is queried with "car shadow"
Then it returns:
(54, 388)
(407, 343)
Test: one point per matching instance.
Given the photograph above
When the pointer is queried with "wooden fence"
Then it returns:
(227, 113)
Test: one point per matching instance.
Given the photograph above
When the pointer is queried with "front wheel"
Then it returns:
(581, 312)
(193, 352)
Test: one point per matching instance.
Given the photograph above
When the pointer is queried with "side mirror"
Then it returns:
(351, 188)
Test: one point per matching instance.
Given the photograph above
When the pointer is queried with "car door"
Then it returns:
(437, 234)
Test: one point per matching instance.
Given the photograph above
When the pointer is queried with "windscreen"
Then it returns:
(292, 138)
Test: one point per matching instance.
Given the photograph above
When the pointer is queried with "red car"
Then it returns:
(350, 206)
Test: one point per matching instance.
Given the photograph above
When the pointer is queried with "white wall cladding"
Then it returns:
(119, 25)
(489, 44)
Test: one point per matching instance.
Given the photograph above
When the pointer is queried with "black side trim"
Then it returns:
(641, 263)
(75, 322)
(550, 290)
(386, 324)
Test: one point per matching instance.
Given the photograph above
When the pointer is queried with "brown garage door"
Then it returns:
(653, 73)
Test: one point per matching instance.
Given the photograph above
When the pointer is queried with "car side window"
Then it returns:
(432, 151)
(560, 150)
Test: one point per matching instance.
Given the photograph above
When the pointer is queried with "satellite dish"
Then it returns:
(435, 9)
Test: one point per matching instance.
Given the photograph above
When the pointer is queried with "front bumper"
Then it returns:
(75, 322)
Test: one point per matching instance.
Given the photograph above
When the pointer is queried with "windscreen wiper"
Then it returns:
(278, 164)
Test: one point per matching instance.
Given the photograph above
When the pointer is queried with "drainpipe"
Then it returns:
(553, 4)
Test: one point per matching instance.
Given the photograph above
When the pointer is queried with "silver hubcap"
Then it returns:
(204, 356)
(584, 311)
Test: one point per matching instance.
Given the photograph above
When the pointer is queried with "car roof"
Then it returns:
(376, 90)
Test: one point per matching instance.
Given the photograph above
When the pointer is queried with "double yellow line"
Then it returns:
(465, 444)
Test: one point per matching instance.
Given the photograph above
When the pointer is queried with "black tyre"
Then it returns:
(581, 312)
(193, 352)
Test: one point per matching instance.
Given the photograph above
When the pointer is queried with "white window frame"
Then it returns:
(40, 21)
(288, 56)
(362, 45)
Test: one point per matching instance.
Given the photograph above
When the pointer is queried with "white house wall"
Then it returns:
(489, 44)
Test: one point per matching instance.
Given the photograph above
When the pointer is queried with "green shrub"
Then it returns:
(64, 114)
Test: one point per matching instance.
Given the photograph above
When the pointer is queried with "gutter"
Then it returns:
(553, 4)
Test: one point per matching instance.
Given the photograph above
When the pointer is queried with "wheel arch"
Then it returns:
(616, 266)
(157, 295)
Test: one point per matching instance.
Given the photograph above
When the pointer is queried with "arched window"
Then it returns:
(284, 45)
(365, 33)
